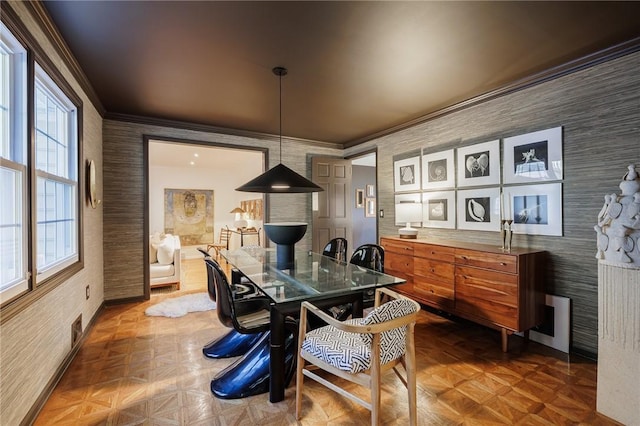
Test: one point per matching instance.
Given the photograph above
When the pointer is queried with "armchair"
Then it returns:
(165, 260)
(360, 350)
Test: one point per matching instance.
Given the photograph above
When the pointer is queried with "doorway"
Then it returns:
(364, 214)
(207, 170)
(347, 206)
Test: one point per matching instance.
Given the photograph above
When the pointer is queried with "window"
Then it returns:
(39, 176)
(13, 169)
(56, 177)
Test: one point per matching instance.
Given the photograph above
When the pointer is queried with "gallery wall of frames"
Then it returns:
(479, 186)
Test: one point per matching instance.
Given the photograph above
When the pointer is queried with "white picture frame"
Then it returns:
(407, 174)
(415, 198)
(479, 209)
(535, 209)
(479, 164)
(438, 170)
(439, 209)
(533, 157)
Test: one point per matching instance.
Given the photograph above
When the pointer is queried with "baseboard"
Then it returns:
(35, 409)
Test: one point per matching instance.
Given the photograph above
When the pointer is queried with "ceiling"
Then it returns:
(356, 69)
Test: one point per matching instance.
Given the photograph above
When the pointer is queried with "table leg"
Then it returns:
(357, 306)
(276, 356)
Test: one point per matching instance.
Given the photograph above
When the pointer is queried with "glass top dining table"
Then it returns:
(313, 277)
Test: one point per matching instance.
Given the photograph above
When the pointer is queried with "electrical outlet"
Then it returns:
(87, 291)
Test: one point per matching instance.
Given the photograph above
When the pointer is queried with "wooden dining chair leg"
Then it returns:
(300, 363)
(375, 380)
(410, 369)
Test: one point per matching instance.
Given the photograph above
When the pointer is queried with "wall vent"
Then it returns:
(76, 331)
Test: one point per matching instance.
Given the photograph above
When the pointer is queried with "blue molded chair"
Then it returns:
(233, 343)
(249, 375)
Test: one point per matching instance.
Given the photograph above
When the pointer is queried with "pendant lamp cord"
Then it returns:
(280, 79)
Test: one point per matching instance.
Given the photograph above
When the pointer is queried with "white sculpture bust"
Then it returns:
(618, 228)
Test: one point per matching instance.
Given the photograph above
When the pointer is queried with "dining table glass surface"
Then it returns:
(312, 275)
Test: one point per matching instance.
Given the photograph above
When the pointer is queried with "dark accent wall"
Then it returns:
(599, 109)
(363, 228)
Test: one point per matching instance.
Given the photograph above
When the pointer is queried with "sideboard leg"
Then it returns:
(505, 340)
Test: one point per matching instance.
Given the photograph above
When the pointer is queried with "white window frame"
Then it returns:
(63, 227)
(14, 221)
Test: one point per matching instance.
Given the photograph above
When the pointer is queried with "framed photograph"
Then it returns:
(404, 198)
(371, 191)
(533, 157)
(370, 207)
(359, 198)
(535, 209)
(438, 209)
(407, 174)
(479, 164)
(479, 209)
(438, 170)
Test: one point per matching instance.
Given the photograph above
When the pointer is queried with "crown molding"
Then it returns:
(177, 124)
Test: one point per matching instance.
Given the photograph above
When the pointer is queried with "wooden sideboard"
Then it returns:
(482, 283)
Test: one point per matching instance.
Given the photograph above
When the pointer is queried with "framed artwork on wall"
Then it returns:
(371, 191)
(479, 164)
(479, 209)
(359, 198)
(407, 174)
(438, 170)
(533, 157)
(252, 208)
(370, 207)
(438, 209)
(189, 214)
(535, 209)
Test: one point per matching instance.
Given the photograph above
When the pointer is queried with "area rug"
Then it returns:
(180, 306)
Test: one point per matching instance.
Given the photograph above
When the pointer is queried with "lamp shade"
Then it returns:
(409, 212)
(279, 179)
(237, 210)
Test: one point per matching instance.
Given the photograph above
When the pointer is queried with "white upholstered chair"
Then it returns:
(361, 350)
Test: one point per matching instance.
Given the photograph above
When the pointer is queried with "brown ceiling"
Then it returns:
(356, 69)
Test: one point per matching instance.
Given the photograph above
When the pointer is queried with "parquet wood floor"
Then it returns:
(139, 370)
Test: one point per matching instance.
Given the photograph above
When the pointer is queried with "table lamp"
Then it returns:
(239, 222)
(408, 212)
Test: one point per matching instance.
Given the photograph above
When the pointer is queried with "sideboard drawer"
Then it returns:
(433, 271)
(483, 284)
(440, 295)
(494, 261)
(435, 252)
(398, 265)
(392, 246)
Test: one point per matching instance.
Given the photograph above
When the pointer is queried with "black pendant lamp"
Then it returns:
(280, 179)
